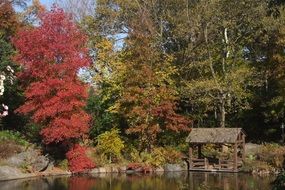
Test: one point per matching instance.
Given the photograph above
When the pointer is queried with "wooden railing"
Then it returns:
(223, 165)
(199, 163)
(228, 164)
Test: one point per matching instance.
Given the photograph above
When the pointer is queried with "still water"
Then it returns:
(167, 181)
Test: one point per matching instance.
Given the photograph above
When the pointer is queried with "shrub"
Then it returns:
(9, 148)
(172, 156)
(135, 155)
(78, 160)
(272, 154)
(110, 144)
(154, 158)
(96, 157)
(14, 136)
(32, 132)
(256, 166)
(157, 157)
(63, 164)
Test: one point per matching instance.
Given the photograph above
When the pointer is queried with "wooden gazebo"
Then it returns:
(223, 137)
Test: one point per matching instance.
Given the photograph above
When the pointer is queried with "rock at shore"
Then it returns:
(7, 172)
(30, 158)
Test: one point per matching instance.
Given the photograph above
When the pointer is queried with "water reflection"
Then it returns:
(168, 181)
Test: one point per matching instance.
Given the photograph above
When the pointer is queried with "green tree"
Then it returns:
(217, 75)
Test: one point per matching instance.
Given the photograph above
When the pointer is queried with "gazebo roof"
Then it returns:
(214, 135)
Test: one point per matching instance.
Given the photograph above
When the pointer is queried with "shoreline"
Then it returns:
(36, 175)
(106, 171)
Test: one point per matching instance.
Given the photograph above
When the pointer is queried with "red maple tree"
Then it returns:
(51, 55)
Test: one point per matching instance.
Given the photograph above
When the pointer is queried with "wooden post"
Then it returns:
(235, 157)
(190, 157)
(243, 147)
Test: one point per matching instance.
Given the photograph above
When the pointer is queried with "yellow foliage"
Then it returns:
(157, 157)
(110, 143)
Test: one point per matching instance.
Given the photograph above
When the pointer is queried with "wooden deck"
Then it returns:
(221, 166)
(215, 170)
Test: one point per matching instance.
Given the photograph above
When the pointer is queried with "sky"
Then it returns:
(47, 3)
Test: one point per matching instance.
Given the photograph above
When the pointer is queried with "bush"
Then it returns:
(272, 154)
(9, 148)
(110, 144)
(32, 132)
(172, 156)
(157, 157)
(96, 157)
(63, 164)
(256, 166)
(78, 160)
(14, 136)
(11, 143)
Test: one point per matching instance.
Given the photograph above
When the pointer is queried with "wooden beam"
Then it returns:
(190, 156)
(243, 147)
(235, 157)
(206, 163)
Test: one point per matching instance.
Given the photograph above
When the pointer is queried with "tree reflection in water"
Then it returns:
(168, 181)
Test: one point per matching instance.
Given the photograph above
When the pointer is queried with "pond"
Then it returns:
(166, 181)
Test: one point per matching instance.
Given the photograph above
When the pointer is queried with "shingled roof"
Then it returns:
(214, 135)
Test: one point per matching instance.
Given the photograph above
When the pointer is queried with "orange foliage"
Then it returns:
(8, 18)
(148, 98)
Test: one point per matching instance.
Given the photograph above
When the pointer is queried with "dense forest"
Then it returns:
(140, 73)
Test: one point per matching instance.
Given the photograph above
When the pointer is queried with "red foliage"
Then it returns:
(77, 159)
(51, 55)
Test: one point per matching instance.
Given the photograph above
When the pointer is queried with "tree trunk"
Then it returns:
(222, 113)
